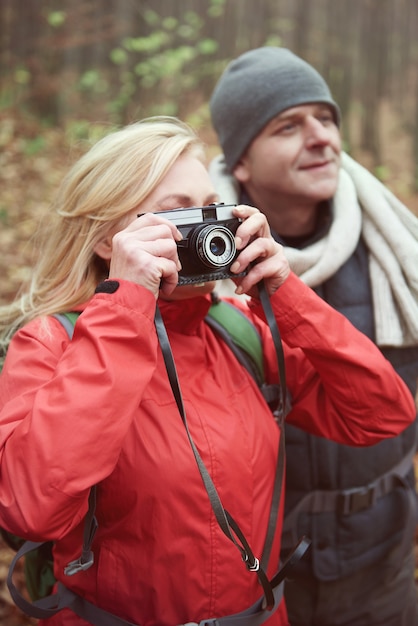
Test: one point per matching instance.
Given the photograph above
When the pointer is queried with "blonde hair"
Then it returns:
(108, 182)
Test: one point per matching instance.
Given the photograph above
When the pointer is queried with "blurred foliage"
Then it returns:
(113, 61)
(72, 70)
(145, 63)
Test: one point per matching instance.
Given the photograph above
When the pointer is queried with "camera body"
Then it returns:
(207, 249)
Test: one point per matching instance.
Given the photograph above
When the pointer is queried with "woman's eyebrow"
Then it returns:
(180, 200)
(212, 199)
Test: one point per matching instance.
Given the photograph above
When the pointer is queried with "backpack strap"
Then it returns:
(349, 501)
(86, 557)
(68, 320)
(44, 608)
(244, 340)
(240, 334)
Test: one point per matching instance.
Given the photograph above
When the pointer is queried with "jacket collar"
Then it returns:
(185, 316)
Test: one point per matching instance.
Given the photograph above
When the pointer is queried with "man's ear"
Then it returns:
(241, 171)
(103, 248)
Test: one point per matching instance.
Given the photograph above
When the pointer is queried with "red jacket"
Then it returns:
(100, 410)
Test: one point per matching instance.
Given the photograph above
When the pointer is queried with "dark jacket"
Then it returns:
(361, 527)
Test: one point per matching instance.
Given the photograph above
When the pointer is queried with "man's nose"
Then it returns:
(316, 132)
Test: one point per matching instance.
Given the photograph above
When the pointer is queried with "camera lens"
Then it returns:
(214, 246)
(217, 246)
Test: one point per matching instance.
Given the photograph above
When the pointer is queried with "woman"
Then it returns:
(99, 410)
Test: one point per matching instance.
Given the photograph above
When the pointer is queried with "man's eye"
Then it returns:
(326, 119)
(286, 128)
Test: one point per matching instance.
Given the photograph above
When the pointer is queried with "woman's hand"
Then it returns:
(260, 254)
(145, 252)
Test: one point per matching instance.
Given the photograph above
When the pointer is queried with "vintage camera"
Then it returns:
(207, 249)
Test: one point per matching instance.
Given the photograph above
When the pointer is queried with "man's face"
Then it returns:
(295, 158)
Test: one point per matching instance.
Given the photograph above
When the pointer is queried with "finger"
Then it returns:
(244, 211)
(158, 273)
(151, 220)
(130, 246)
(258, 249)
(145, 263)
(272, 270)
(168, 284)
(136, 238)
(253, 226)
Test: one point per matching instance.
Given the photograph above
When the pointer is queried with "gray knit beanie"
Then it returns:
(256, 87)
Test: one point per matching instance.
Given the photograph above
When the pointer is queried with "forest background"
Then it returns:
(73, 70)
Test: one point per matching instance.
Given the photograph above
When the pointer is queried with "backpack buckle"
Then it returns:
(79, 565)
(251, 567)
(354, 500)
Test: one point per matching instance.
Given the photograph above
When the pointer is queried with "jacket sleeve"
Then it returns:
(340, 384)
(65, 408)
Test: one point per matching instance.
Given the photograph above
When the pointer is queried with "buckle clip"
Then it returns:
(251, 567)
(79, 565)
(357, 499)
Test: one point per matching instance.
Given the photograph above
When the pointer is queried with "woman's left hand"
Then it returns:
(260, 254)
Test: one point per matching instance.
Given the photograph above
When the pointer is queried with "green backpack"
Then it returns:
(242, 337)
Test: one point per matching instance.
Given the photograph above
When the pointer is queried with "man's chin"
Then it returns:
(323, 190)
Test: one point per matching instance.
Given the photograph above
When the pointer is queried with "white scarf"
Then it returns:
(362, 206)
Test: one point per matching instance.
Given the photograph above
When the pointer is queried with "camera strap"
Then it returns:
(226, 522)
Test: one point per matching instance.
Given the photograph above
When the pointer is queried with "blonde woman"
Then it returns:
(100, 410)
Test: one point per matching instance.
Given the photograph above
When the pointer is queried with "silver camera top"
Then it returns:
(199, 215)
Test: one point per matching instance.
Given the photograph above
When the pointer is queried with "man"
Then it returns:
(355, 244)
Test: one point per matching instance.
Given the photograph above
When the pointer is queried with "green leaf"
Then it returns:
(169, 23)
(207, 46)
(217, 8)
(33, 146)
(3, 214)
(151, 44)
(56, 18)
(381, 172)
(89, 79)
(193, 19)
(151, 17)
(22, 76)
(118, 56)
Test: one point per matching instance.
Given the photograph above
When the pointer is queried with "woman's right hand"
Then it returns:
(145, 252)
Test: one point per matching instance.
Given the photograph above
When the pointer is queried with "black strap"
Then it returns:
(228, 526)
(86, 558)
(64, 598)
(350, 501)
(224, 519)
(283, 404)
(280, 414)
